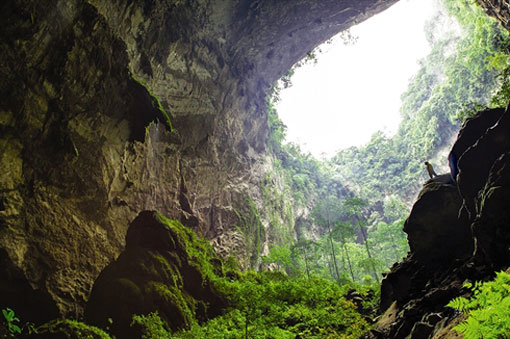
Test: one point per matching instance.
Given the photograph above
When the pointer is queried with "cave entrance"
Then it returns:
(358, 198)
(351, 86)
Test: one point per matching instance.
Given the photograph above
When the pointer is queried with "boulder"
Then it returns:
(435, 233)
(163, 268)
(477, 160)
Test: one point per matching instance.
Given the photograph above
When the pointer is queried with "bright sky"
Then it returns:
(354, 91)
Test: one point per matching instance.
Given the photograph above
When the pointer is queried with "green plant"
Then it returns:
(71, 329)
(272, 305)
(469, 111)
(151, 324)
(11, 321)
(488, 309)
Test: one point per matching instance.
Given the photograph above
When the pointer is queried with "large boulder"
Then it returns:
(435, 233)
(163, 268)
(476, 161)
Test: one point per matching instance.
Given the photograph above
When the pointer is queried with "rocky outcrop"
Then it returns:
(80, 155)
(164, 268)
(456, 231)
(498, 9)
(433, 223)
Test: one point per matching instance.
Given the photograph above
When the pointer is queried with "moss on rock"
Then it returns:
(164, 268)
(70, 329)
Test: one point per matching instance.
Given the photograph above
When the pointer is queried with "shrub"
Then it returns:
(488, 309)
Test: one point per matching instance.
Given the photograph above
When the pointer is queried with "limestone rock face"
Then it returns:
(456, 231)
(80, 155)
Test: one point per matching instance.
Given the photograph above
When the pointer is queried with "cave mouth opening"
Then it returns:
(351, 86)
(467, 61)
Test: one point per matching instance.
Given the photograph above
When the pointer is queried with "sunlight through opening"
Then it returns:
(353, 90)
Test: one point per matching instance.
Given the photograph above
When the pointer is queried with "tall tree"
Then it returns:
(326, 213)
(354, 208)
(342, 232)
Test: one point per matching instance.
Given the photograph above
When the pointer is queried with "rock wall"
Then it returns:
(500, 9)
(457, 230)
(85, 144)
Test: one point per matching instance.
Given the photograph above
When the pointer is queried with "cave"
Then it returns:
(112, 108)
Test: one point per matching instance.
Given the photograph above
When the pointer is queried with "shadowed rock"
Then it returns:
(164, 268)
(436, 235)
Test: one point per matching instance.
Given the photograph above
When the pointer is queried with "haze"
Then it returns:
(354, 91)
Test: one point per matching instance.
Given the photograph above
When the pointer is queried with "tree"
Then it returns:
(326, 213)
(305, 246)
(280, 256)
(390, 241)
(342, 232)
(354, 208)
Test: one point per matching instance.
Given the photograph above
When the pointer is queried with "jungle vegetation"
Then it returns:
(359, 198)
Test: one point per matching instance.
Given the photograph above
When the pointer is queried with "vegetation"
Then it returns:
(356, 203)
(72, 329)
(11, 322)
(272, 305)
(460, 73)
(11, 327)
(488, 309)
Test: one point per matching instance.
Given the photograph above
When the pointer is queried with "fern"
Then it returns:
(488, 309)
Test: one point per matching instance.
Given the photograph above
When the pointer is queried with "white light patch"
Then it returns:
(354, 91)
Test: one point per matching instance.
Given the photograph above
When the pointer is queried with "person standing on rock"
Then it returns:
(430, 170)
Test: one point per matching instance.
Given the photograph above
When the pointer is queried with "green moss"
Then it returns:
(173, 297)
(169, 270)
(151, 326)
(198, 250)
(251, 228)
(277, 207)
(72, 329)
(171, 273)
(129, 288)
(165, 117)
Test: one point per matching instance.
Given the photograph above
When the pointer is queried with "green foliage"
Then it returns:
(151, 324)
(280, 256)
(11, 321)
(11, 326)
(250, 225)
(488, 309)
(277, 129)
(198, 249)
(502, 96)
(272, 305)
(71, 329)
